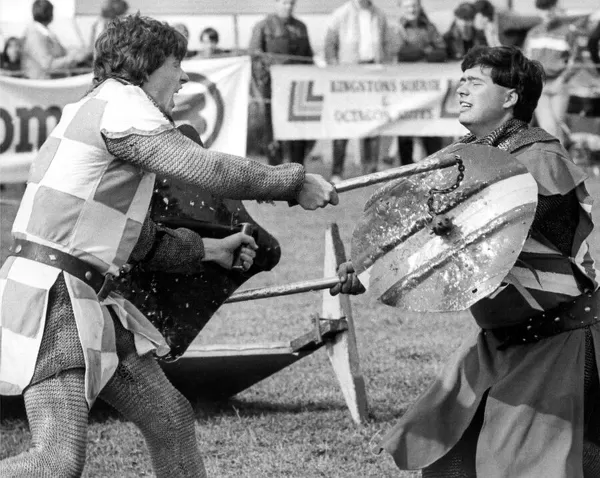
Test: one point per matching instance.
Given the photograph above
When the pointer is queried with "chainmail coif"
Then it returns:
(172, 154)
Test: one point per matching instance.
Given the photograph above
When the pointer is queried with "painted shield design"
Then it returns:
(180, 305)
(410, 264)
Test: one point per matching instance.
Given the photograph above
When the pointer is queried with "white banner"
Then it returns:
(354, 101)
(215, 102)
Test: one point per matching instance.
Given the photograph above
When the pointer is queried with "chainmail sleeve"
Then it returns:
(172, 154)
(160, 248)
(556, 218)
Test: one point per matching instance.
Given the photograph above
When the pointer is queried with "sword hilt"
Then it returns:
(249, 230)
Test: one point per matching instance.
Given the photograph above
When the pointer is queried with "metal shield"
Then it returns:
(399, 257)
(180, 305)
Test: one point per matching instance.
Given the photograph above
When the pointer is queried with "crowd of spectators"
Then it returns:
(358, 32)
(39, 54)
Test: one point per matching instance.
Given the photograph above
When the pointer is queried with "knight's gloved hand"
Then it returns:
(349, 283)
(317, 192)
(222, 251)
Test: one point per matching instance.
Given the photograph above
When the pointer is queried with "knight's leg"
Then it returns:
(140, 390)
(591, 444)
(57, 412)
(459, 462)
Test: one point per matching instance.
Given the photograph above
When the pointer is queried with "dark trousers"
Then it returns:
(405, 147)
(369, 154)
(298, 149)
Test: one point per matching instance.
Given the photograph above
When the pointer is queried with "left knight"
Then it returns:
(65, 337)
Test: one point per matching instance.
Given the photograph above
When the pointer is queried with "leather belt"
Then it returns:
(102, 284)
(581, 312)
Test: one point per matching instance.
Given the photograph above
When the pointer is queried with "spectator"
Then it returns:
(183, 29)
(43, 54)
(110, 10)
(502, 27)
(357, 34)
(486, 22)
(592, 45)
(462, 36)
(279, 39)
(551, 43)
(209, 42)
(419, 40)
(10, 59)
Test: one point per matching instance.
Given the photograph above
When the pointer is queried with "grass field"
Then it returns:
(294, 424)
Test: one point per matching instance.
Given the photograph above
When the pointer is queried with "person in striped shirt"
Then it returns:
(519, 397)
(552, 43)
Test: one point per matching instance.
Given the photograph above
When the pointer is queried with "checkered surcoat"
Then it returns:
(84, 201)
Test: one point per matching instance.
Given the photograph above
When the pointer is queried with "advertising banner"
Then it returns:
(214, 101)
(354, 101)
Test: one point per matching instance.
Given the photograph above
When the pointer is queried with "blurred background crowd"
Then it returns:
(356, 32)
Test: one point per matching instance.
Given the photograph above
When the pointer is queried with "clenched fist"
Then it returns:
(317, 192)
(222, 251)
(349, 283)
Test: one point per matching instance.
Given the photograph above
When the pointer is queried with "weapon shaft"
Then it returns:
(287, 289)
(395, 173)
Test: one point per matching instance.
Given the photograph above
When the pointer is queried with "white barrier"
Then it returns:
(215, 102)
(357, 101)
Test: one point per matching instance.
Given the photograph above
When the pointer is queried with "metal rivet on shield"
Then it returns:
(52, 257)
(88, 275)
(18, 249)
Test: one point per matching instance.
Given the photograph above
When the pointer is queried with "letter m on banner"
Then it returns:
(303, 104)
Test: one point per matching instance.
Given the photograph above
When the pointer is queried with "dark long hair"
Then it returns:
(133, 47)
(511, 69)
(5, 61)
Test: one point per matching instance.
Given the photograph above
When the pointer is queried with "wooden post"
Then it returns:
(236, 32)
(342, 350)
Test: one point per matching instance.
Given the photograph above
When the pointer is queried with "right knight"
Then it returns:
(519, 398)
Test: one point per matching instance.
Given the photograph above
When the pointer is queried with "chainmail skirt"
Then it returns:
(60, 349)
(57, 409)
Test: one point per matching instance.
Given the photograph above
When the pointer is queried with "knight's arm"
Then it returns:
(170, 153)
(164, 249)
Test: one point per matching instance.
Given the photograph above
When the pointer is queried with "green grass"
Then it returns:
(294, 424)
